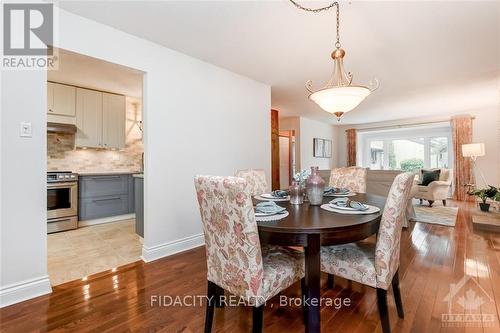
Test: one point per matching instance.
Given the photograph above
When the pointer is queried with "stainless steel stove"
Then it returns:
(62, 201)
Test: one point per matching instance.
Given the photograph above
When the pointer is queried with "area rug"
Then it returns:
(436, 215)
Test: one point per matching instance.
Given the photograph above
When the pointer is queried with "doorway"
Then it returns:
(286, 157)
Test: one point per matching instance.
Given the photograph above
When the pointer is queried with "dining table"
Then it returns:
(311, 227)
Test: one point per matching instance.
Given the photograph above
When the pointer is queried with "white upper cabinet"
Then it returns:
(61, 103)
(61, 99)
(88, 118)
(113, 120)
(100, 119)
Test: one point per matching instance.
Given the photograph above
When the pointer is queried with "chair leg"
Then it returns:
(209, 315)
(397, 295)
(430, 202)
(304, 295)
(383, 310)
(444, 202)
(258, 314)
(329, 282)
(219, 297)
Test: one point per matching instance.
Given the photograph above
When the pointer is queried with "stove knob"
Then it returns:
(66, 176)
(61, 176)
(72, 176)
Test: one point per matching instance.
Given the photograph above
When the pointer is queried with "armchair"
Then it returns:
(436, 190)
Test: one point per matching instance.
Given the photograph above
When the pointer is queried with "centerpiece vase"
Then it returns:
(315, 186)
(296, 193)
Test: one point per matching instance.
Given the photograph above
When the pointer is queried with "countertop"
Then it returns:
(104, 173)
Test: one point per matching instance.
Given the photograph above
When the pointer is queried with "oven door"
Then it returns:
(62, 200)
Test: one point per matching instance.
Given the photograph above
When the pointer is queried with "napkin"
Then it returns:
(279, 194)
(346, 202)
(336, 190)
(269, 207)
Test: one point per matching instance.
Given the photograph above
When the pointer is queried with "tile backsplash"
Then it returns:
(63, 156)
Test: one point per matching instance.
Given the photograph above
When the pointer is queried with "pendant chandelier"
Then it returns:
(339, 95)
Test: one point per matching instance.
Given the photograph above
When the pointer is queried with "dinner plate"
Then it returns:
(345, 208)
(271, 196)
(350, 194)
(269, 214)
(262, 197)
(370, 210)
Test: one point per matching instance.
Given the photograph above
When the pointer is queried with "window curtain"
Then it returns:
(351, 146)
(461, 131)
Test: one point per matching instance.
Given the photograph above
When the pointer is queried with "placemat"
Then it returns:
(275, 217)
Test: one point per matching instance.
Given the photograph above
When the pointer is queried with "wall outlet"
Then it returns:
(25, 129)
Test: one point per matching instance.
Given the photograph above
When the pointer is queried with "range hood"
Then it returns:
(61, 128)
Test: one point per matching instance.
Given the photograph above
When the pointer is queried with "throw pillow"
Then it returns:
(429, 176)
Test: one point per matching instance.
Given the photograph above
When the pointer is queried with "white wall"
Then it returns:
(486, 128)
(199, 119)
(305, 131)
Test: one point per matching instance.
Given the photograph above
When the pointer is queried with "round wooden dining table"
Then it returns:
(312, 227)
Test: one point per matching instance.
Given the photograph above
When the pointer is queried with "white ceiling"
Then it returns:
(429, 57)
(88, 72)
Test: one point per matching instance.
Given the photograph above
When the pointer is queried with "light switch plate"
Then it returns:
(25, 129)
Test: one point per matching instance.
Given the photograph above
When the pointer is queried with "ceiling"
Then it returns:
(430, 57)
(88, 72)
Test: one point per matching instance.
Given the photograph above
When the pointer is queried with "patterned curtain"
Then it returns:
(351, 147)
(461, 129)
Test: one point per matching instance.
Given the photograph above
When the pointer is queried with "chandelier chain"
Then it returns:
(321, 9)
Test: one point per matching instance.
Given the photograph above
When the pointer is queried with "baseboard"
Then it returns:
(104, 220)
(24, 290)
(156, 252)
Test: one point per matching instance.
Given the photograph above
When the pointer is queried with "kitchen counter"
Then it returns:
(103, 173)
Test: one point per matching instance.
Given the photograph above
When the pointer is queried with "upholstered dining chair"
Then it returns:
(256, 179)
(235, 260)
(353, 178)
(375, 264)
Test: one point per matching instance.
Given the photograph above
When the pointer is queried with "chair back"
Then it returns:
(353, 178)
(256, 179)
(234, 257)
(445, 175)
(389, 233)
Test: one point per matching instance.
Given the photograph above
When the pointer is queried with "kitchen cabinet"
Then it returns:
(100, 119)
(61, 103)
(139, 204)
(113, 121)
(105, 195)
(88, 118)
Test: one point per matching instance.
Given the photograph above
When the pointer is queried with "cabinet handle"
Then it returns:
(105, 177)
(107, 199)
(50, 110)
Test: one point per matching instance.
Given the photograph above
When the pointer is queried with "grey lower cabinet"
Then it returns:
(105, 195)
(139, 205)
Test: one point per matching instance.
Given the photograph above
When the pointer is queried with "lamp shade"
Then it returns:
(340, 99)
(473, 150)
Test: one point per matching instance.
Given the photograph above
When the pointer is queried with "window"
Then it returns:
(408, 149)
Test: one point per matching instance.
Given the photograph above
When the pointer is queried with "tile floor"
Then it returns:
(77, 253)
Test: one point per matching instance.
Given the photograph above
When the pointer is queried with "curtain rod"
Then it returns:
(367, 129)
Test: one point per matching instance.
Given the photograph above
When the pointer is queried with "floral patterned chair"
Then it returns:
(353, 178)
(256, 179)
(236, 262)
(375, 264)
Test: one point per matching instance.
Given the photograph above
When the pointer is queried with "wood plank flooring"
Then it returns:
(432, 258)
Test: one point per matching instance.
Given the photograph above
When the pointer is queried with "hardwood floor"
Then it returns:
(432, 258)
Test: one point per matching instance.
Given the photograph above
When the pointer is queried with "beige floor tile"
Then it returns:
(77, 253)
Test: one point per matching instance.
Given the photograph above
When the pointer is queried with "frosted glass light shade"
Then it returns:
(473, 150)
(340, 99)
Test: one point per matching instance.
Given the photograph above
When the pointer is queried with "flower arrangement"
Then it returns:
(301, 177)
